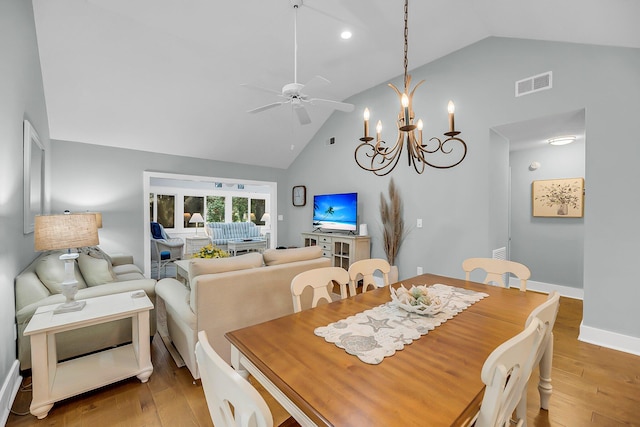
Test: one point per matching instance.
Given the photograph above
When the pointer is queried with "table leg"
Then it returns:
(41, 345)
(142, 345)
(235, 362)
(544, 386)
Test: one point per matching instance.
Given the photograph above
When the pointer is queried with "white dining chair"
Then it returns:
(232, 401)
(496, 268)
(364, 269)
(505, 374)
(546, 313)
(321, 280)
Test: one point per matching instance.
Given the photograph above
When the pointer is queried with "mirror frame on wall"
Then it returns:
(149, 175)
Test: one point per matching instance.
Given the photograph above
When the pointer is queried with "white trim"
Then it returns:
(9, 390)
(588, 334)
(612, 340)
(565, 291)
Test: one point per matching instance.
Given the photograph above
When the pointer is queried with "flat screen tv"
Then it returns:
(335, 212)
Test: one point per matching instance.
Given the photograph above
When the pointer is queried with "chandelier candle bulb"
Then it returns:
(420, 126)
(405, 105)
(366, 122)
(452, 109)
(379, 131)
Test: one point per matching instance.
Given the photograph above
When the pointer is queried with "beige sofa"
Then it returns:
(97, 274)
(225, 294)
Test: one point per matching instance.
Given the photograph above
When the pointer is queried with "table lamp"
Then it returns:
(66, 231)
(196, 217)
(265, 218)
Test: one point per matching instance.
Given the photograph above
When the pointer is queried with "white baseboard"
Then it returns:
(612, 340)
(565, 291)
(9, 390)
(588, 334)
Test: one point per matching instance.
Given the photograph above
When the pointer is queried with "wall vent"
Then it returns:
(534, 84)
(501, 253)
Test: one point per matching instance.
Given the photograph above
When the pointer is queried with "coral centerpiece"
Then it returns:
(418, 299)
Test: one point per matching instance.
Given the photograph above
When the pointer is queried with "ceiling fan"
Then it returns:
(292, 93)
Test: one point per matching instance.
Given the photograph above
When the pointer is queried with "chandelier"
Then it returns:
(381, 158)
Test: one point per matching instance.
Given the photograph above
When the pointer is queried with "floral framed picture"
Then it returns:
(558, 198)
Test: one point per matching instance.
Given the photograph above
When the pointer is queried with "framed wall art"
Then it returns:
(34, 163)
(558, 198)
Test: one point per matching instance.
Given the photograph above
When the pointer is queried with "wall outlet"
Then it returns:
(419, 223)
(419, 271)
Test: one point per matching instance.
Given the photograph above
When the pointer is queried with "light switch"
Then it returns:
(419, 224)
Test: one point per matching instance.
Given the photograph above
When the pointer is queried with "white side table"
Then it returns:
(54, 381)
(195, 243)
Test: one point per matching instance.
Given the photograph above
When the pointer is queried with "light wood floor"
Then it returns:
(592, 386)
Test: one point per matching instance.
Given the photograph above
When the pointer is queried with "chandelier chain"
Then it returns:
(406, 40)
(375, 155)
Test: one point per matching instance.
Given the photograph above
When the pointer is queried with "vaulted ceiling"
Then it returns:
(165, 75)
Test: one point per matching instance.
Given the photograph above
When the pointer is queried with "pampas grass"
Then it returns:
(393, 230)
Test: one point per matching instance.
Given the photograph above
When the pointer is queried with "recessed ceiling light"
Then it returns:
(346, 35)
(562, 140)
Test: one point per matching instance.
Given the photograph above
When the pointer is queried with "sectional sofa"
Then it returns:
(225, 294)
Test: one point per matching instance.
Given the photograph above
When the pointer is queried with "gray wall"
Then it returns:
(109, 180)
(454, 204)
(21, 97)
(551, 247)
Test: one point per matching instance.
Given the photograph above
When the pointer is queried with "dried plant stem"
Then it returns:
(393, 231)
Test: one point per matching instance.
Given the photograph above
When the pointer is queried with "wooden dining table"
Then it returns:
(434, 381)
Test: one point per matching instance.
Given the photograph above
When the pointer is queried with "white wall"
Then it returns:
(22, 97)
(454, 203)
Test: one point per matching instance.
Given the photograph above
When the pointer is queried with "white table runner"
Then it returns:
(381, 331)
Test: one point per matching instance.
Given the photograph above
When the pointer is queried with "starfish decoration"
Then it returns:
(402, 339)
(377, 324)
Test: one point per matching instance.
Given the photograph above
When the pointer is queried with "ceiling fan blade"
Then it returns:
(341, 106)
(314, 83)
(266, 107)
(303, 116)
(263, 89)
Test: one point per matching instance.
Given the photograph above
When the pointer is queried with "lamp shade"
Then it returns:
(265, 217)
(65, 231)
(97, 214)
(196, 217)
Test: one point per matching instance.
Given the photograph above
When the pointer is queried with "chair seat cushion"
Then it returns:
(165, 255)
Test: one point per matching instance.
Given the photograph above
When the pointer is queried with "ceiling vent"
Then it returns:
(534, 84)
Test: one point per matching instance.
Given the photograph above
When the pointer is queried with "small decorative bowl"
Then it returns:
(416, 300)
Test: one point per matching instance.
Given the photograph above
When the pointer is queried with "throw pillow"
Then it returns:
(284, 256)
(50, 271)
(95, 271)
(198, 266)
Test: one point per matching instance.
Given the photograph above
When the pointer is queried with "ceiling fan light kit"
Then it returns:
(381, 158)
(292, 93)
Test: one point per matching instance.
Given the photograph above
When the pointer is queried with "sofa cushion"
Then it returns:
(50, 271)
(198, 267)
(96, 271)
(284, 256)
